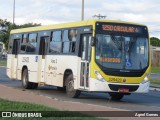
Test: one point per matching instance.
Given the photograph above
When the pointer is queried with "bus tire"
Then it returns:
(61, 88)
(34, 85)
(116, 96)
(25, 80)
(71, 92)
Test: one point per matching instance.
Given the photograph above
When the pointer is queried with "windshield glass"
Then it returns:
(121, 52)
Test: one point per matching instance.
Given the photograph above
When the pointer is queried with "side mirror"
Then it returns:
(92, 41)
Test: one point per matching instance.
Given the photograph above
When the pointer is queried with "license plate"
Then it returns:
(123, 90)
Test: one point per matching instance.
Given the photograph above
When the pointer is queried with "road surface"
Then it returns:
(134, 102)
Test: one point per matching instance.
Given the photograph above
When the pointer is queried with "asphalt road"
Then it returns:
(134, 102)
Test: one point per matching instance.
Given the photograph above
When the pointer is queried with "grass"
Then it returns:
(21, 106)
(155, 82)
(155, 69)
(6, 105)
(3, 62)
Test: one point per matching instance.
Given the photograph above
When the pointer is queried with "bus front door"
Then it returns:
(42, 59)
(14, 63)
(85, 46)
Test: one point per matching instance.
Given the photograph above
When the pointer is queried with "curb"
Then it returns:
(3, 67)
(155, 87)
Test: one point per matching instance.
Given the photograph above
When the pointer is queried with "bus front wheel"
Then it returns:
(71, 92)
(61, 88)
(116, 96)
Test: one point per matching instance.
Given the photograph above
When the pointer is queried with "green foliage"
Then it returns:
(3, 63)
(155, 41)
(156, 82)
(6, 27)
(155, 69)
(4, 23)
(7, 105)
(28, 25)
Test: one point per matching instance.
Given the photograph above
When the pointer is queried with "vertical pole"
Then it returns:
(14, 12)
(82, 10)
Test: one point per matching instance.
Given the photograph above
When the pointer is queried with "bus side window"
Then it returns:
(24, 43)
(66, 42)
(85, 47)
(56, 42)
(10, 46)
(72, 35)
(43, 46)
(32, 43)
(16, 44)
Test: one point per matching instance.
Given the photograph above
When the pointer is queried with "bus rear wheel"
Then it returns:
(71, 92)
(34, 85)
(116, 96)
(25, 81)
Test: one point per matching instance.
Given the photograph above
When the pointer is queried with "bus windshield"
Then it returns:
(121, 52)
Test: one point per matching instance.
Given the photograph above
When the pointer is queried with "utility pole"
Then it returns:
(99, 16)
(14, 12)
(82, 10)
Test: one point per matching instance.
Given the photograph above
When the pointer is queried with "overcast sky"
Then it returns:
(58, 11)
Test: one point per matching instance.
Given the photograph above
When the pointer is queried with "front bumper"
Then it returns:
(104, 86)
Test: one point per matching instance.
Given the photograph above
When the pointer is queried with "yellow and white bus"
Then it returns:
(94, 55)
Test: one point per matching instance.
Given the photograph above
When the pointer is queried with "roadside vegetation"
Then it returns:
(155, 81)
(3, 62)
(155, 70)
(6, 105)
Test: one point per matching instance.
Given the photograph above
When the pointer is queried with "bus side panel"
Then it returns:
(9, 63)
(33, 64)
(41, 69)
(21, 64)
(30, 62)
(56, 66)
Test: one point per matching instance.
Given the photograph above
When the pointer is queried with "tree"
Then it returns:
(4, 24)
(155, 41)
(6, 27)
(4, 31)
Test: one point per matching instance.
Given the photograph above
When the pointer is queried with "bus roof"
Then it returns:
(66, 25)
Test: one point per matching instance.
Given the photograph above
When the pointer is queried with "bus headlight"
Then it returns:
(146, 79)
(99, 76)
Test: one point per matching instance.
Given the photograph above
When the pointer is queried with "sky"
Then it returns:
(49, 12)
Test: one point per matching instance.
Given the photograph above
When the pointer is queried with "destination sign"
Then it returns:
(113, 60)
(102, 27)
(120, 28)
